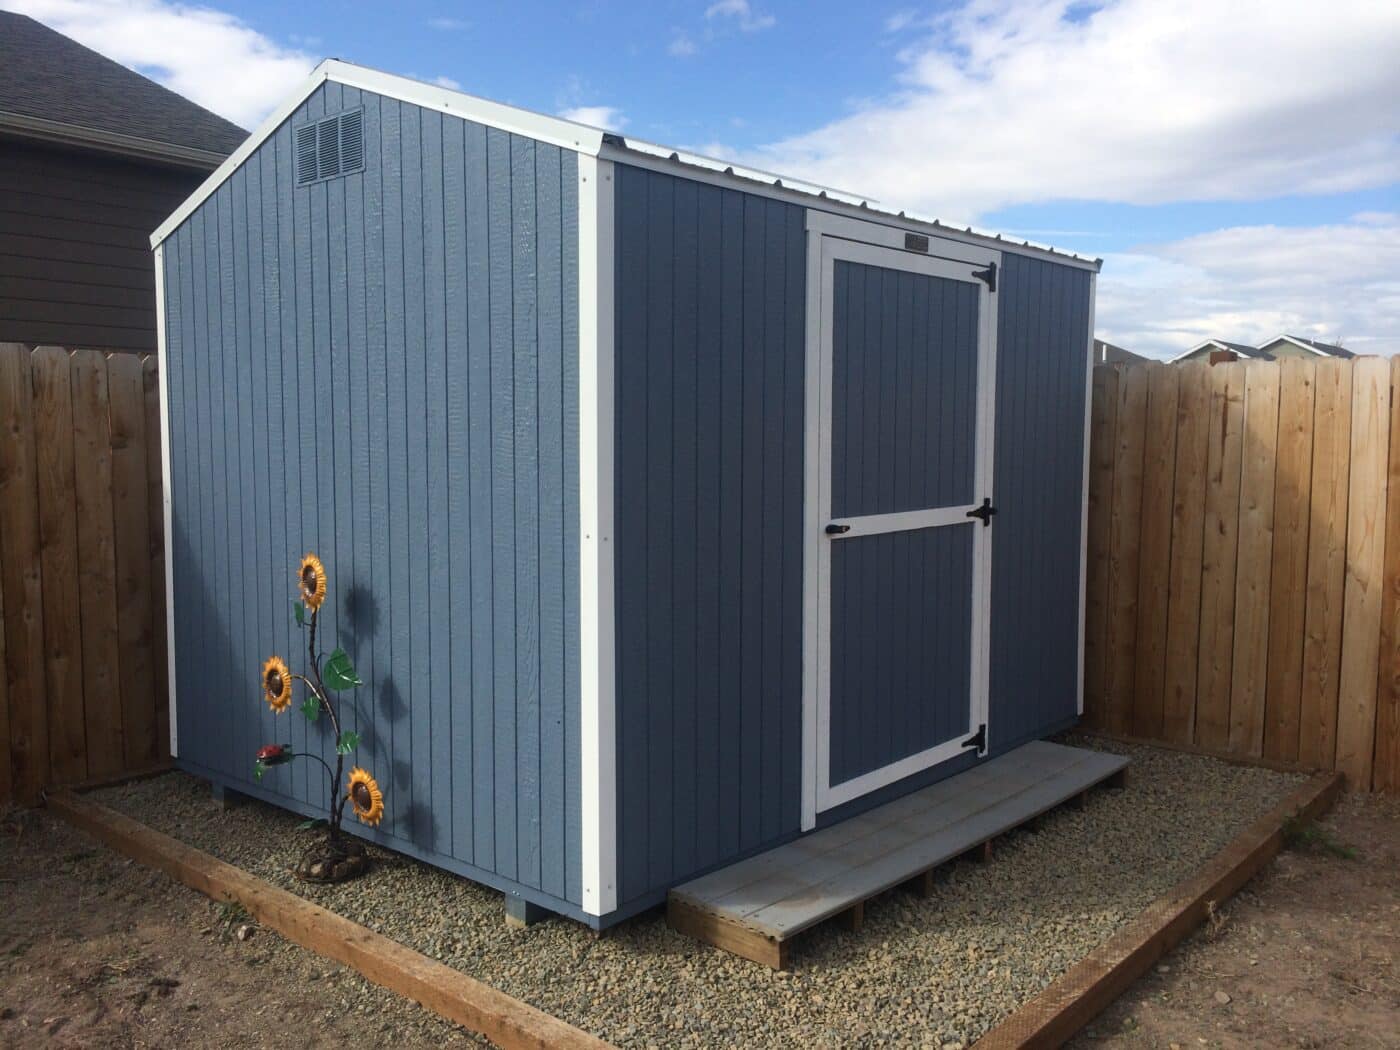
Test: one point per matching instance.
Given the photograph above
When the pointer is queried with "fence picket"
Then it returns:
(1218, 556)
(132, 547)
(1184, 577)
(58, 541)
(155, 515)
(1254, 561)
(1386, 775)
(1154, 561)
(1289, 572)
(1102, 452)
(1361, 617)
(92, 457)
(1327, 528)
(1124, 528)
(21, 580)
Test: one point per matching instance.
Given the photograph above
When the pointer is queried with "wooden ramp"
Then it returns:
(756, 907)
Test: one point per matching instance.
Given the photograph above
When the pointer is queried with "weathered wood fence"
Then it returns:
(82, 591)
(1244, 561)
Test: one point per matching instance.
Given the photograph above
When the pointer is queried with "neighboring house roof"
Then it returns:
(1243, 349)
(1310, 345)
(53, 88)
(1106, 353)
(595, 142)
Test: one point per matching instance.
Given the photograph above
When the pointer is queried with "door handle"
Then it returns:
(835, 530)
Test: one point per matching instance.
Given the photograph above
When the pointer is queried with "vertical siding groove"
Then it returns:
(383, 368)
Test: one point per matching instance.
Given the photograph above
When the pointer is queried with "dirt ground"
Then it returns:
(1304, 956)
(96, 950)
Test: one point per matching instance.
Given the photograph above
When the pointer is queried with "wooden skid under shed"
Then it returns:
(756, 907)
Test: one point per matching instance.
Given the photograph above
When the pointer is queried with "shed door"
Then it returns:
(906, 374)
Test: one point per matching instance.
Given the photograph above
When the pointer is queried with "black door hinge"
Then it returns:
(984, 512)
(978, 739)
(989, 275)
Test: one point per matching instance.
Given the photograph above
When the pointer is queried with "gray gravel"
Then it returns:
(922, 972)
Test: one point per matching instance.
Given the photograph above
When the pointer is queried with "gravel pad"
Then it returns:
(921, 973)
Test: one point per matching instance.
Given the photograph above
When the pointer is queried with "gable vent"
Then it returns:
(330, 148)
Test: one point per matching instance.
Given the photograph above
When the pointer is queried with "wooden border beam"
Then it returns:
(505, 1021)
(1086, 989)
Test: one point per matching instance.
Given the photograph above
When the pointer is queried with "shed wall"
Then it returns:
(75, 255)
(710, 358)
(709, 343)
(383, 368)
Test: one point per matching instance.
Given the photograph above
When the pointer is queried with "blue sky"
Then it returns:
(1237, 165)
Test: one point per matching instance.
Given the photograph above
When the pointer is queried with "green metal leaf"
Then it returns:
(314, 822)
(258, 770)
(349, 740)
(339, 672)
(311, 708)
(300, 611)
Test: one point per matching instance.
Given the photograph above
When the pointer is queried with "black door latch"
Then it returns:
(984, 512)
(835, 530)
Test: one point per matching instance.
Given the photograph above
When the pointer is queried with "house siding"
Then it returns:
(383, 368)
(75, 254)
(710, 336)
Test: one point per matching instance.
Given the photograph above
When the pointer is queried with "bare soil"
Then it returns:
(96, 950)
(1304, 956)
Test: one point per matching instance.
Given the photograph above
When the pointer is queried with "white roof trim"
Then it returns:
(589, 141)
(553, 130)
(1300, 344)
(1197, 348)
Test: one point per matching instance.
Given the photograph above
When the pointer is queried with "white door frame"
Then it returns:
(829, 238)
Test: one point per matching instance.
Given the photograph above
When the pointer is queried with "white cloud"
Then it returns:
(1014, 101)
(450, 25)
(681, 46)
(608, 117)
(448, 82)
(742, 13)
(210, 57)
(1249, 283)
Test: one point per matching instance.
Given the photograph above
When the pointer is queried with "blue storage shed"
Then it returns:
(656, 495)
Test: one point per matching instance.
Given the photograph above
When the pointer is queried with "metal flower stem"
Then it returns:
(319, 688)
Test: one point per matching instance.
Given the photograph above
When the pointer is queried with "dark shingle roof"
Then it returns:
(47, 76)
(1323, 348)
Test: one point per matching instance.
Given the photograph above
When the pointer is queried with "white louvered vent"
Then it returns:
(330, 148)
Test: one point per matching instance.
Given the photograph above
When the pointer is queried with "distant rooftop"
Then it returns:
(52, 87)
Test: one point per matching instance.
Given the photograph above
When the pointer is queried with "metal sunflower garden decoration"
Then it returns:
(337, 856)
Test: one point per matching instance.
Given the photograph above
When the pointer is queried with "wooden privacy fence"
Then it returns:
(82, 577)
(1244, 561)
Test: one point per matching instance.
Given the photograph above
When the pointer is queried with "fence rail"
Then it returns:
(82, 568)
(1244, 561)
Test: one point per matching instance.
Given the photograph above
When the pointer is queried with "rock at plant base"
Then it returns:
(328, 861)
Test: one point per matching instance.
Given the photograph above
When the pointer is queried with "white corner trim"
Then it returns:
(597, 657)
(1084, 490)
(555, 130)
(162, 380)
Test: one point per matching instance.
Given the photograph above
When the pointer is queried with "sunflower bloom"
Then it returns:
(311, 581)
(365, 796)
(277, 684)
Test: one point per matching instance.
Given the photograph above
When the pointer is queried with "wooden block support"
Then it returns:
(922, 883)
(505, 1021)
(1087, 988)
(521, 913)
(225, 797)
(713, 929)
(853, 918)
